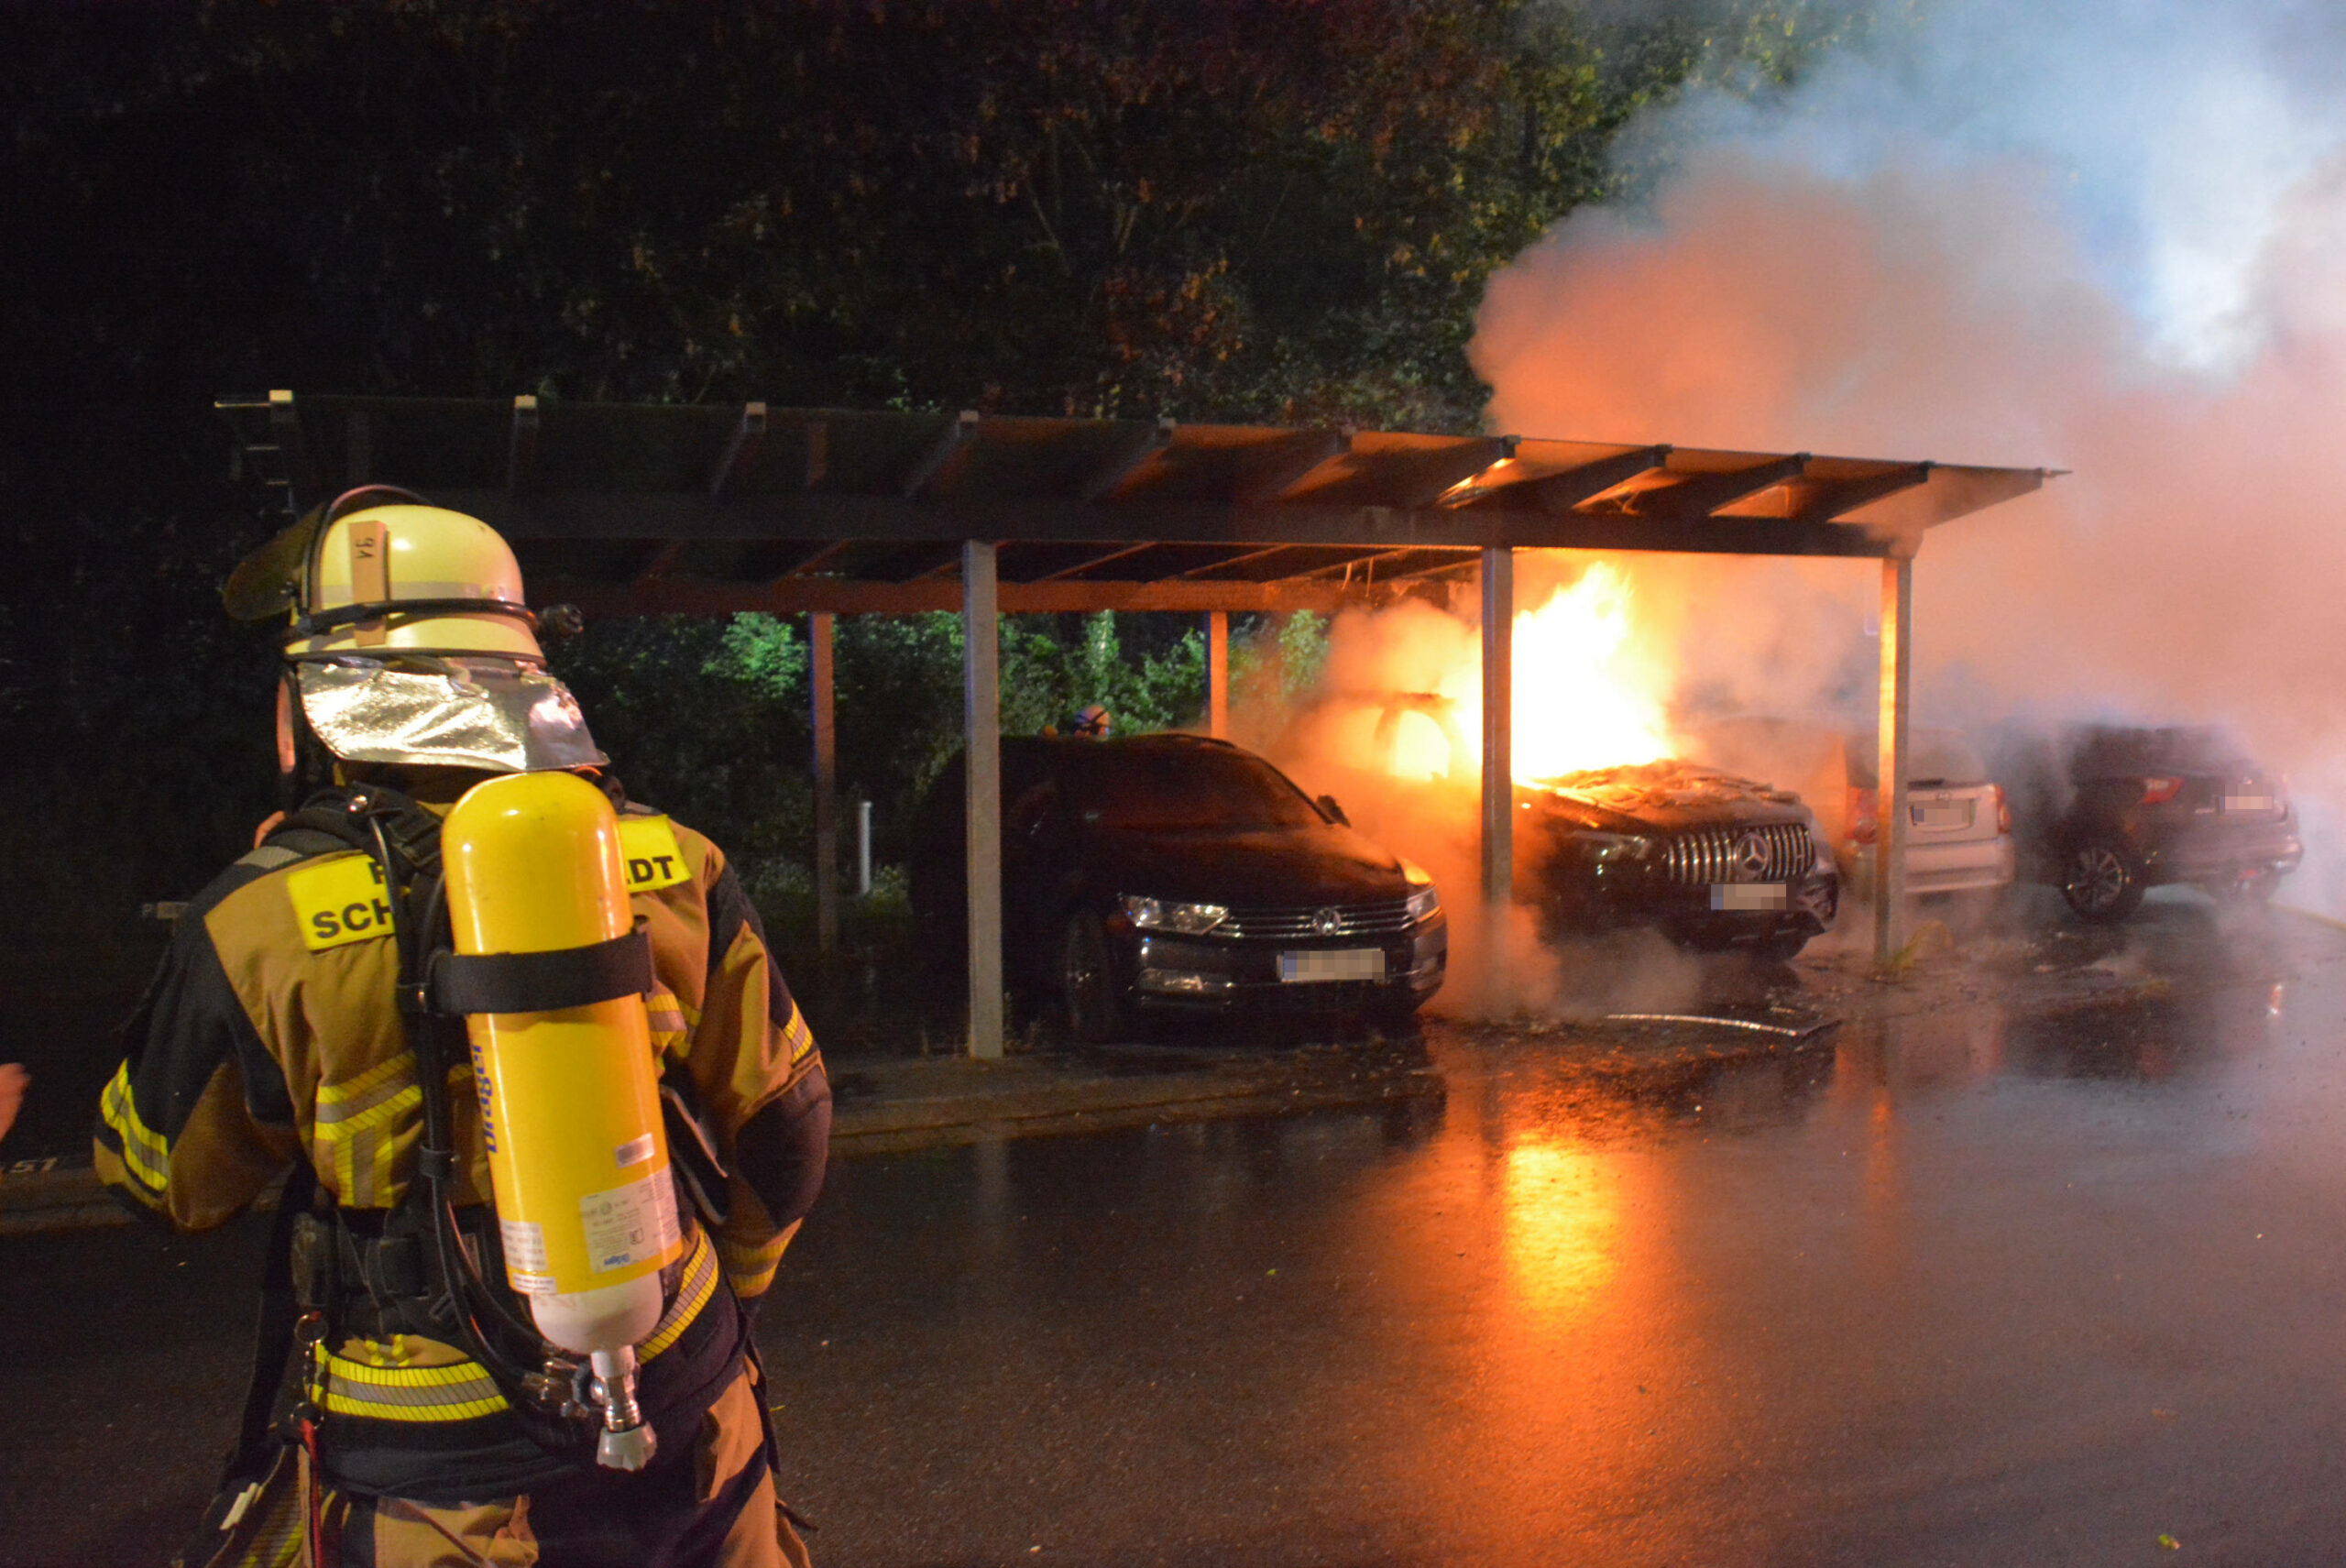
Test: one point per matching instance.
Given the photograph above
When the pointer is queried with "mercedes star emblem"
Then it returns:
(1751, 857)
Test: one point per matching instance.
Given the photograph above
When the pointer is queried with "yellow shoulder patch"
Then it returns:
(339, 900)
(648, 847)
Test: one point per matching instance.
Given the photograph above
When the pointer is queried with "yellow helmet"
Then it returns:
(381, 569)
(409, 639)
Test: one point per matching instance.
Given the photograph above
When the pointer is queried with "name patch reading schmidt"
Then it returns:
(648, 848)
(339, 901)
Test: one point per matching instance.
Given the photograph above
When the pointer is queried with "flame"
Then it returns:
(1588, 694)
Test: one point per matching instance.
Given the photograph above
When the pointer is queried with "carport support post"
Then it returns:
(827, 778)
(1218, 674)
(982, 822)
(1889, 775)
(1498, 746)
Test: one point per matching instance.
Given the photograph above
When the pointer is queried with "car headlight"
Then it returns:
(1163, 914)
(1424, 899)
(1608, 848)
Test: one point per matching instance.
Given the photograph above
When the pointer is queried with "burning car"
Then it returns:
(1715, 861)
(1173, 874)
(2153, 806)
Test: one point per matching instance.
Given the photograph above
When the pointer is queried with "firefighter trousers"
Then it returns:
(719, 1511)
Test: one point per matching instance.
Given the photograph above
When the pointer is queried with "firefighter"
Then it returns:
(405, 1409)
(1092, 722)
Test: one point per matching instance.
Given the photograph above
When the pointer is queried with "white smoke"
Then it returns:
(2099, 234)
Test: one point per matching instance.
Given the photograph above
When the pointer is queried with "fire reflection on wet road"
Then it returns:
(2001, 1272)
(1953, 1288)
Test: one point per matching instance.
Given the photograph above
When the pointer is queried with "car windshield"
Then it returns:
(1165, 787)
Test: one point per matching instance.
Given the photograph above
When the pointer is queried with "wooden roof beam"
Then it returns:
(741, 449)
(1276, 481)
(1112, 475)
(956, 434)
(1701, 495)
(1094, 562)
(1555, 492)
(521, 445)
(844, 596)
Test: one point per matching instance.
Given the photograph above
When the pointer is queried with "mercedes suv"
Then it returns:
(1715, 861)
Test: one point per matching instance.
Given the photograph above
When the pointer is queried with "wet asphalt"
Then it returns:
(1975, 1283)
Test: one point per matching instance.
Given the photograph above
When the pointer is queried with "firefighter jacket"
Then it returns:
(272, 1033)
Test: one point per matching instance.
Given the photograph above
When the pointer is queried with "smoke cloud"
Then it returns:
(2103, 237)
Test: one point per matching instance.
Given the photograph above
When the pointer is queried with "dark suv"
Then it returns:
(1713, 861)
(1172, 873)
(2152, 807)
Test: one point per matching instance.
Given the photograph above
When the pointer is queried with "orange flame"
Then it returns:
(1589, 692)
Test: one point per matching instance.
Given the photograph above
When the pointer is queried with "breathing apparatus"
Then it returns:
(409, 643)
(550, 971)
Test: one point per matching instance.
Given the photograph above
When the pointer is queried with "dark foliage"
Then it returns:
(1238, 209)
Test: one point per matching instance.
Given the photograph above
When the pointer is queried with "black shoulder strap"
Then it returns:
(257, 1439)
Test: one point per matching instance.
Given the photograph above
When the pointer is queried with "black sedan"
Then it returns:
(1171, 873)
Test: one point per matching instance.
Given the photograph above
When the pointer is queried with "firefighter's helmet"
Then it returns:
(380, 570)
(409, 640)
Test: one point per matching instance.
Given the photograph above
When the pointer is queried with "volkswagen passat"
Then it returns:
(1172, 873)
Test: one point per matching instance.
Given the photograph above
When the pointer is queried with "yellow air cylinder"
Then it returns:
(570, 1108)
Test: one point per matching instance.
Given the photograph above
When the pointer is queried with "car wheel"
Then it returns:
(2238, 891)
(1095, 1013)
(2101, 881)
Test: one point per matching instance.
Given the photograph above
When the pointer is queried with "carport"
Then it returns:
(631, 509)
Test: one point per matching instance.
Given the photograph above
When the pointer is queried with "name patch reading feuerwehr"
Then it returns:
(339, 900)
(648, 848)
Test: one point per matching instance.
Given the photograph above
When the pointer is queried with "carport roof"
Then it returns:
(693, 507)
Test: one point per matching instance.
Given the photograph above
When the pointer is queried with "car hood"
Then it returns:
(1657, 798)
(1326, 864)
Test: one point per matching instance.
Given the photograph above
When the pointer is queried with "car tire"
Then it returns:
(1087, 993)
(2238, 893)
(2101, 881)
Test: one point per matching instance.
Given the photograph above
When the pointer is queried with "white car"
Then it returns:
(1958, 822)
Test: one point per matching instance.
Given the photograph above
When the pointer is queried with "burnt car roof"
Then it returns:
(1672, 792)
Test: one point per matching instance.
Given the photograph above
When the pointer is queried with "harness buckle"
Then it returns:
(415, 998)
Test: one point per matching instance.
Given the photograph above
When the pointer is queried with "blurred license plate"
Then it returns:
(1747, 895)
(1339, 963)
(1955, 815)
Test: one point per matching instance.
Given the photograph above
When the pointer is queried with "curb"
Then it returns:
(894, 1106)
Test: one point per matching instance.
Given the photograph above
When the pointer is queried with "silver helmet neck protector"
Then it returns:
(479, 711)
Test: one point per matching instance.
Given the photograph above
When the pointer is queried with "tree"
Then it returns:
(1254, 210)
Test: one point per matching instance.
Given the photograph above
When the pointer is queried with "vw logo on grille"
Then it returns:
(1751, 857)
(1327, 921)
